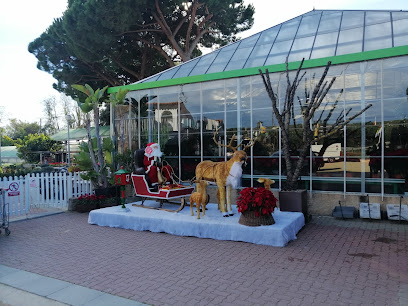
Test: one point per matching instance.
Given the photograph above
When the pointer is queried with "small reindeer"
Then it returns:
(199, 198)
(224, 174)
(267, 182)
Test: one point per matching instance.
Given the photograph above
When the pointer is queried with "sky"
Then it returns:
(24, 87)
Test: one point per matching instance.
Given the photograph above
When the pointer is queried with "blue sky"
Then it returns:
(24, 87)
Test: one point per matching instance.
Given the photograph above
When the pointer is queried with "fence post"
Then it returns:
(69, 186)
(27, 192)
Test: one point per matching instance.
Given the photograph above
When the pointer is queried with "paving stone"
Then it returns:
(331, 263)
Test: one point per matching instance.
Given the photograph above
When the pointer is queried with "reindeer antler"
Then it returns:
(251, 144)
(223, 145)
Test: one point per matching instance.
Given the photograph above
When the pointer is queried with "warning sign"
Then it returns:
(13, 189)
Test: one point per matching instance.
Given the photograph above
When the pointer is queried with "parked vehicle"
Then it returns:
(317, 162)
(332, 153)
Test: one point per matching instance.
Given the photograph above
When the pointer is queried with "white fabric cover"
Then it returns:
(212, 225)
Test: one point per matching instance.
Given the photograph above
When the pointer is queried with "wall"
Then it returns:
(323, 203)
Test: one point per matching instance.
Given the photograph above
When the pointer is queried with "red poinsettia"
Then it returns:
(259, 200)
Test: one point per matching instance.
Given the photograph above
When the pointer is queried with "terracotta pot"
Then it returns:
(248, 218)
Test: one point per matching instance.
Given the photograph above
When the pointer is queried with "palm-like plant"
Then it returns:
(92, 102)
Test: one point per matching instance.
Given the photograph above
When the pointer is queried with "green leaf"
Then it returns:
(90, 91)
(81, 88)
(107, 145)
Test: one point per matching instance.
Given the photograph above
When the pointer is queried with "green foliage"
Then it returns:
(6, 141)
(84, 163)
(13, 170)
(30, 145)
(121, 42)
(18, 129)
(125, 160)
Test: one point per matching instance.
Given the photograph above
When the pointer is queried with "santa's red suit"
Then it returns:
(152, 154)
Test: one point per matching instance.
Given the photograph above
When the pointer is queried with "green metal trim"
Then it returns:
(312, 63)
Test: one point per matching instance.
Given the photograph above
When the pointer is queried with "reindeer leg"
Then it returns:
(229, 191)
(191, 207)
(198, 204)
(204, 205)
(222, 201)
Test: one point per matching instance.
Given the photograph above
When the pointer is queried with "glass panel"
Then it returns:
(377, 36)
(288, 30)
(210, 149)
(231, 121)
(150, 79)
(204, 63)
(301, 48)
(350, 41)
(190, 95)
(325, 45)
(395, 78)
(213, 97)
(330, 22)
(249, 42)
(400, 32)
(308, 26)
(353, 157)
(245, 87)
(279, 52)
(399, 15)
(190, 143)
(260, 98)
(239, 59)
(231, 94)
(396, 154)
(352, 19)
(221, 61)
(168, 74)
(166, 113)
(185, 68)
(188, 166)
(268, 36)
(377, 17)
(258, 56)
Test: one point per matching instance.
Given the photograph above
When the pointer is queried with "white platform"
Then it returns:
(212, 225)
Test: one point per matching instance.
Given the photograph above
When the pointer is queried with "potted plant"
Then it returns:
(85, 203)
(303, 122)
(256, 206)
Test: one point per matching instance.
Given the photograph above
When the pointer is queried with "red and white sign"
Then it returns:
(13, 189)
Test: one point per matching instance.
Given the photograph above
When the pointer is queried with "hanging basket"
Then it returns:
(248, 218)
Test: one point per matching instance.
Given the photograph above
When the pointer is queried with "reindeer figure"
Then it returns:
(267, 182)
(224, 174)
(199, 198)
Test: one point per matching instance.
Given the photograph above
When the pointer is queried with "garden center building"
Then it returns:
(182, 107)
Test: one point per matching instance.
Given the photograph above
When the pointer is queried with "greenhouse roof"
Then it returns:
(9, 151)
(318, 34)
(79, 134)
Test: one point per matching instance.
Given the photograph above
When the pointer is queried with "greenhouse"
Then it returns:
(182, 107)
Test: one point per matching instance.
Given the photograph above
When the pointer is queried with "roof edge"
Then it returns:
(312, 63)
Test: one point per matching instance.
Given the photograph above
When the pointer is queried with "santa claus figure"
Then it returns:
(153, 167)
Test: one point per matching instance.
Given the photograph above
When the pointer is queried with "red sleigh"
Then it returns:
(162, 195)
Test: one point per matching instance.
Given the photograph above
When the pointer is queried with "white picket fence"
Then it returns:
(42, 190)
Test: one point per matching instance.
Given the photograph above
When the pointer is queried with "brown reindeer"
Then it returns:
(267, 182)
(224, 174)
(199, 198)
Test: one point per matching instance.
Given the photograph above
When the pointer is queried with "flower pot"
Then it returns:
(295, 200)
(109, 202)
(85, 207)
(248, 218)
